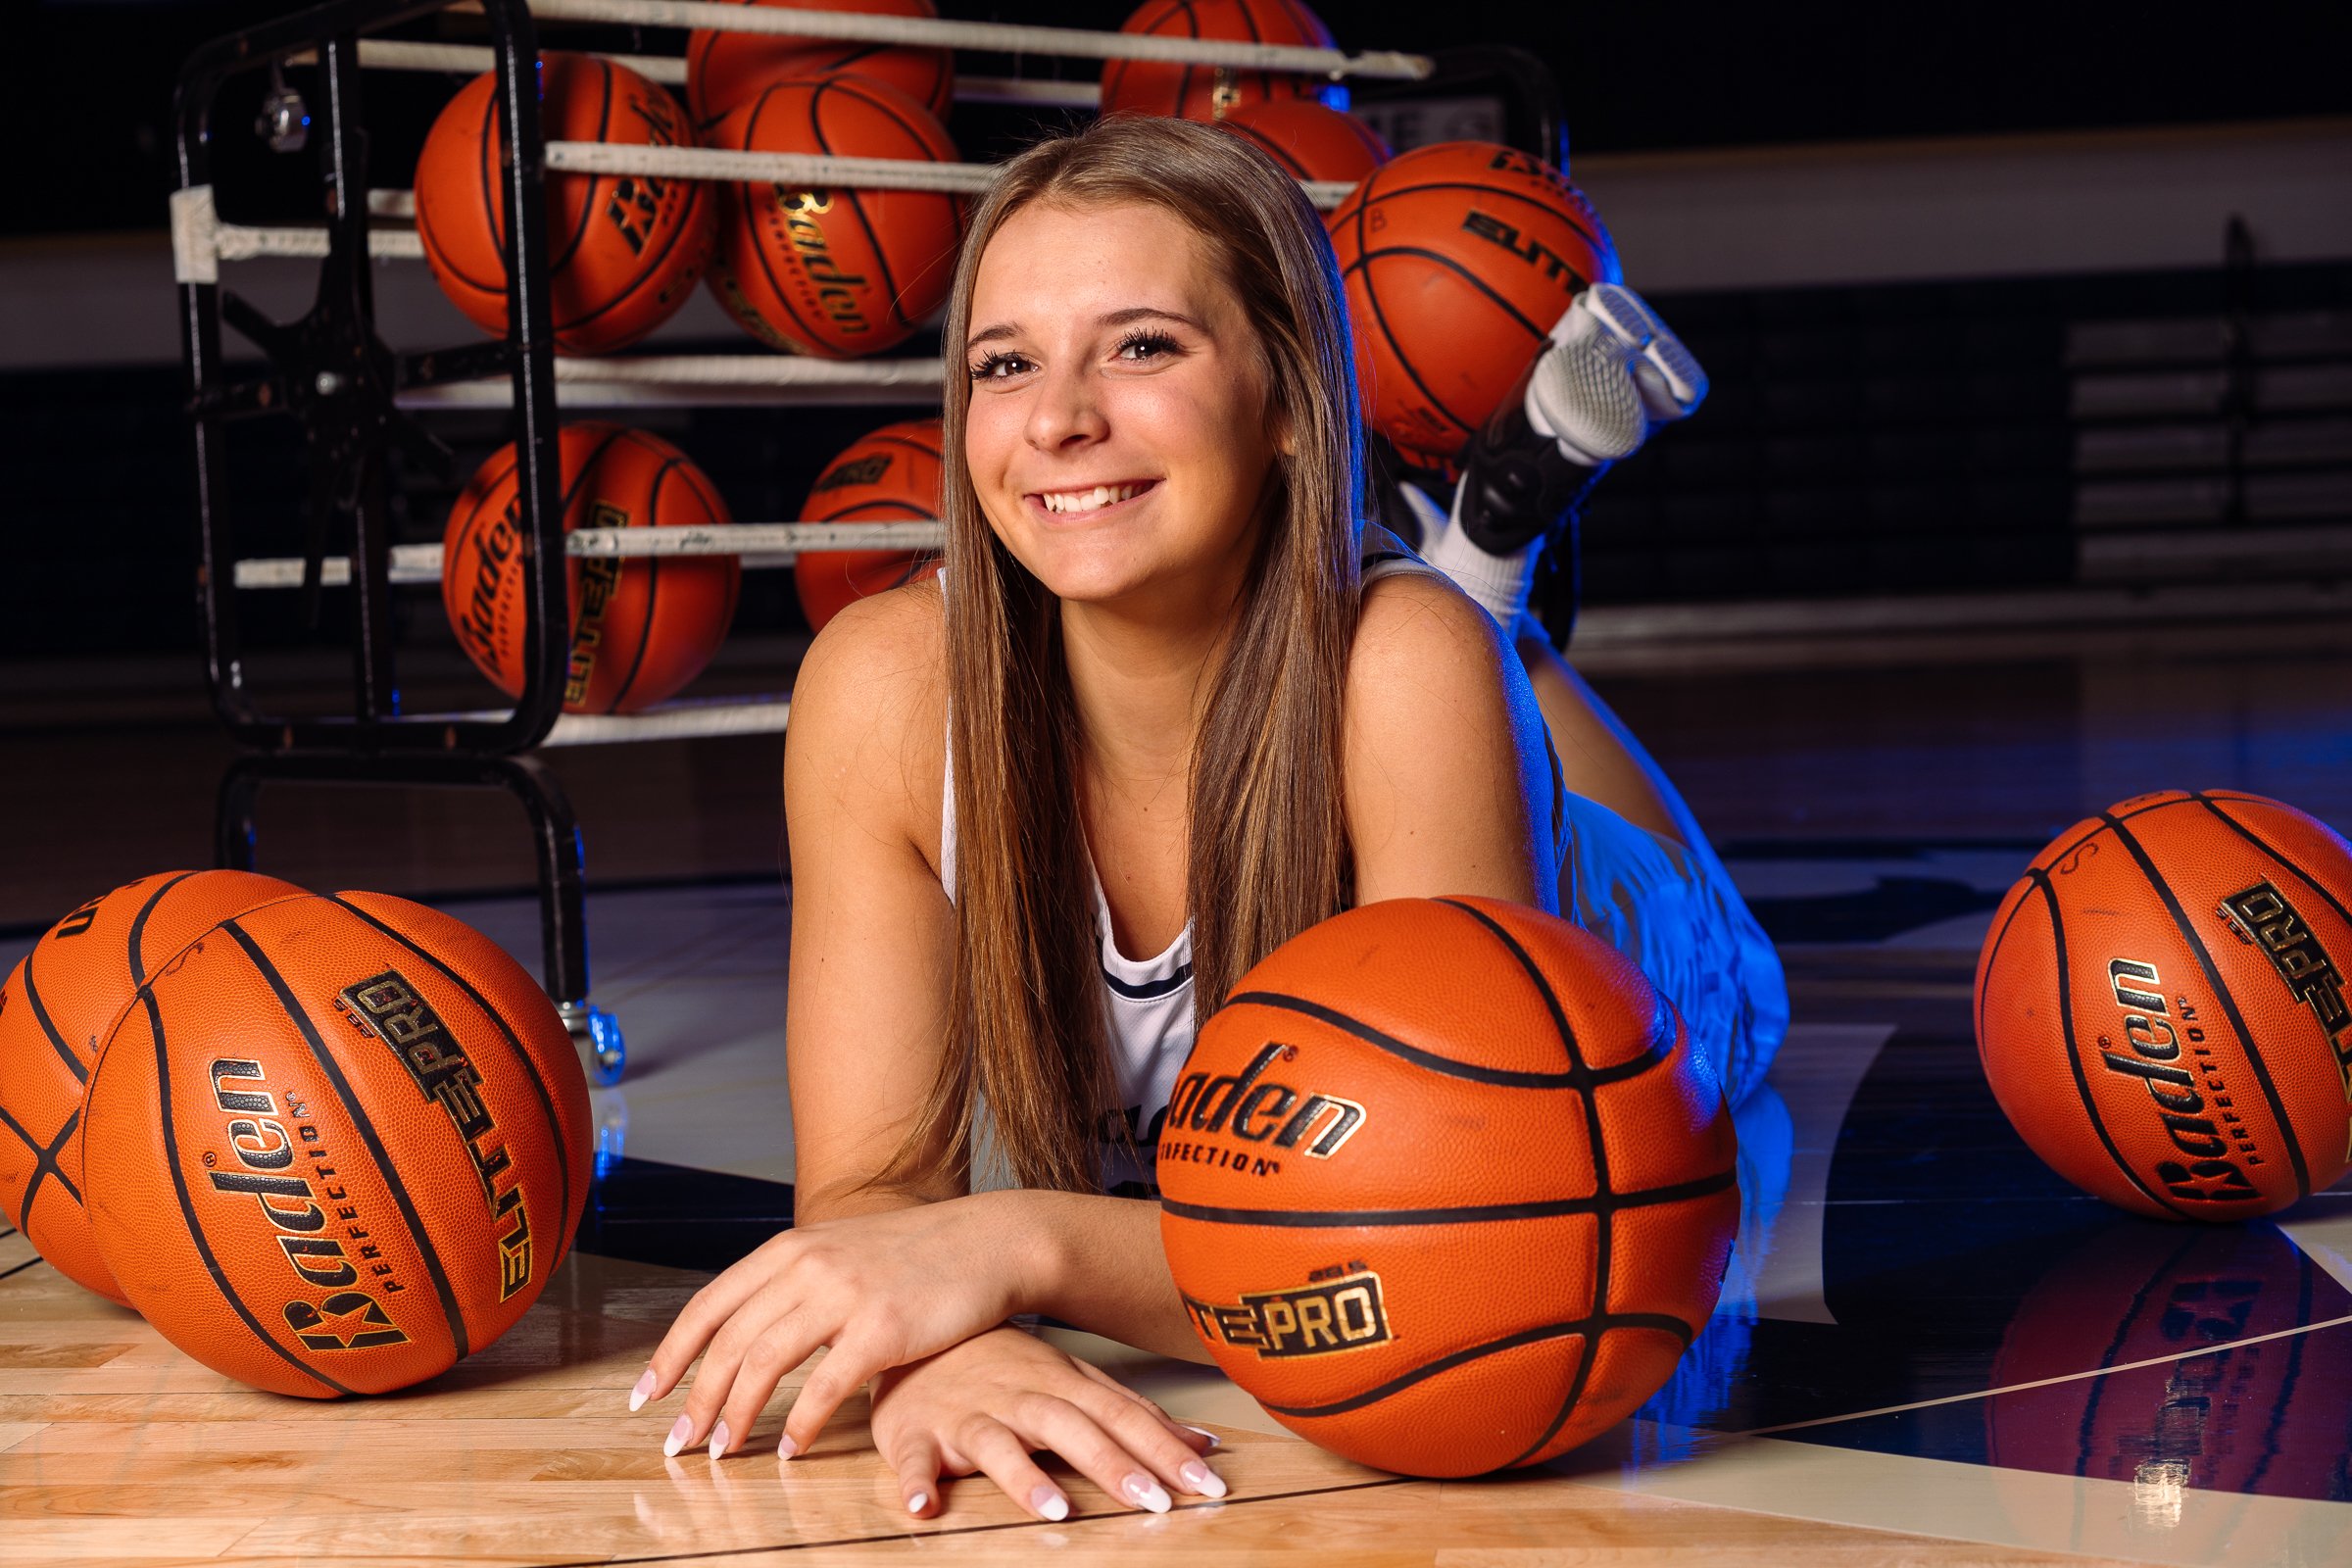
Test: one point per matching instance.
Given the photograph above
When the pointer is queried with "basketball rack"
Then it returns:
(357, 401)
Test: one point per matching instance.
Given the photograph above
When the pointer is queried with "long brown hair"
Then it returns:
(1268, 849)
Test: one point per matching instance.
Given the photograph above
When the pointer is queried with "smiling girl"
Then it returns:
(1170, 704)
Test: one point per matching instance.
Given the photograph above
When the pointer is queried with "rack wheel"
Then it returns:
(598, 1034)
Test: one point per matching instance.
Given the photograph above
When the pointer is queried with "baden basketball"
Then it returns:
(2160, 1004)
(1210, 92)
(1309, 139)
(889, 476)
(835, 272)
(337, 1145)
(56, 1005)
(623, 251)
(1445, 1187)
(723, 68)
(1458, 259)
(641, 626)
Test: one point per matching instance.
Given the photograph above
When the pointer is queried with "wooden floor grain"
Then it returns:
(117, 1449)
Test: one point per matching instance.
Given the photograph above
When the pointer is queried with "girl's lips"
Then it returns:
(1035, 501)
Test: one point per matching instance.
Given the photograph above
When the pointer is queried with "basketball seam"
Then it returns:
(817, 123)
(365, 1128)
(187, 1208)
(751, 222)
(41, 1015)
(39, 1152)
(1599, 1203)
(1551, 1000)
(603, 122)
(531, 1069)
(2228, 1002)
(1363, 261)
(648, 269)
(1590, 239)
(653, 585)
(138, 925)
(2073, 1048)
(1992, 956)
(1578, 1077)
(2264, 845)
(1593, 1328)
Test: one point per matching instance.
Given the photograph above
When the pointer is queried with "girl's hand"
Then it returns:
(879, 1290)
(987, 1405)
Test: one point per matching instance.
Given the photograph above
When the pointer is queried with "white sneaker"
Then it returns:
(1612, 373)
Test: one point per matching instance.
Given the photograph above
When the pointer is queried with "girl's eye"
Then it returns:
(998, 366)
(1146, 346)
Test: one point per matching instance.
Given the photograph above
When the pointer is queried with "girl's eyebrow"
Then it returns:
(1119, 317)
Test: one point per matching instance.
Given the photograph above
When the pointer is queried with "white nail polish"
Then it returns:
(642, 1391)
(1202, 1480)
(718, 1440)
(1214, 1441)
(918, 1502)
(1145, 1493)
(1050, 1504)
(786, 1448)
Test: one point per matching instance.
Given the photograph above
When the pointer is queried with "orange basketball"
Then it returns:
(1445, 1187)
(1209, 92)
(623, 251)
(58, 1004)
(2161, 1006)
(1309, 139)
(835, 273)
(339, 1144)
(723, 68)
(1458, 259)
(641, 626)
(889, 476)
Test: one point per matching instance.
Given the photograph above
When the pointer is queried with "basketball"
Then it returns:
(641, 626)
(1310, 140)
(835, 273)
(889, 476)
(337, 1145)
(58, 1004)
(723, 68)
(1445, 1187)
(1458, 259)
(2160, 1005)
(1210, 92)
(623, 251)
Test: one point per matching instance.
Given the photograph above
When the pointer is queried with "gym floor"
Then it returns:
(1928, 1349)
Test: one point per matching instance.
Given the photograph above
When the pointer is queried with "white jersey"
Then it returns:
(1148, 1003)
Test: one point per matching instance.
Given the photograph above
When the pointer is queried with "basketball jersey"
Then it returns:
(1147, 1002)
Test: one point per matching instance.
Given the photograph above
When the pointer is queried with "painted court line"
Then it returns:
(2045, 1383)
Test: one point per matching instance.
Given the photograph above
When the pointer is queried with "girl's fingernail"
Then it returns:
(1214, 1441)
(786, 1448)
(643, 1391)
(918, 1502)
(719, 1439)
(1050, 1504)
(1202, 1480)
(677, 1437)
(1144, 1493)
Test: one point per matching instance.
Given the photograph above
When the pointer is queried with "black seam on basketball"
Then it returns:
(653, 582)
(1576, 1078)
(24, 1210)
(48, 1158)
(485, 164)
(743, 193)
(1365, 260)
(603, 122)
(2073, 1050)
(2264, 845)
(1551, 1000)
(2228, 1002)
(187, 1206)
(531, 1069)
(1592, 1328)
(138, 927)
(1380, 318)
(454, 541)
(651, 266)
(365, 1128)
(41, 1015)
(856, 198)
(1600, 1203)
(1984, 969)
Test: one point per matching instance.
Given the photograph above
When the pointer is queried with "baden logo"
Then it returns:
(805, 213)
(1258, 1110)
(1339, 1311)
(2180, 1084)
(390, 1009)
(865, 470)
(260, 1142)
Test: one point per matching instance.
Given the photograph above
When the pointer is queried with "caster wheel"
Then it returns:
(598, 1034)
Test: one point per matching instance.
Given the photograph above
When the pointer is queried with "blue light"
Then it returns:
(1335, 96)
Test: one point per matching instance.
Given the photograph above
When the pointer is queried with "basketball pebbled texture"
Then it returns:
(1445, 1188)
(835, 273)
(1196, 92)
(723, 68)
(891, 476)
(623, 251)
(58, 1002)
(641, 626)
(1310, 140)
(336, 1144)
(1458, 259)
(2160, 1005)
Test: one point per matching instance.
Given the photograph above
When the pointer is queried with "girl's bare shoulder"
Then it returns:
(870, 711)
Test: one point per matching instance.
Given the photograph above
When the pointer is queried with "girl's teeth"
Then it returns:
(1102, 495)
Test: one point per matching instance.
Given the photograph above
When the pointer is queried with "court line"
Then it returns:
(2043, 1383)
(966, 1530)
(20, 1268)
